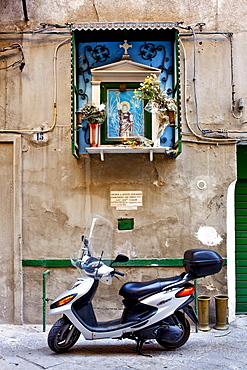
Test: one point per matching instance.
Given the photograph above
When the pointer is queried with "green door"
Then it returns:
(241, 231)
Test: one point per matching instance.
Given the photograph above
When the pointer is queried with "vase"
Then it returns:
(78, 117)
(94, 134)
(203, 312)
(149, 107)
(171, 117)
(221, 303)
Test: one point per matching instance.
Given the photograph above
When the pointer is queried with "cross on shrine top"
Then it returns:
(125, 46)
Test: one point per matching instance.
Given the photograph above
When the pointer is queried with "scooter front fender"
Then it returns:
(62, 304)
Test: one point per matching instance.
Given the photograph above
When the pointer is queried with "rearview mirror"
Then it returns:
(120, 258)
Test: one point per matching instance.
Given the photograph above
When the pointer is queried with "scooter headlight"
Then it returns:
(63, 301)
(92, 265)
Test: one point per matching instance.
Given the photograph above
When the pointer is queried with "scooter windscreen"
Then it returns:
(97, 242)
(98, 236)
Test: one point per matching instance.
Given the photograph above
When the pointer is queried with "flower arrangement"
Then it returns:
(93, 113)
(158, 102)
(137, 142)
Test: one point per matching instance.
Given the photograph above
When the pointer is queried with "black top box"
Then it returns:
(202, 262)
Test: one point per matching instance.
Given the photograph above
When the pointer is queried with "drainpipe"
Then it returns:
(44, 299)
(25, 10)
(196, 303)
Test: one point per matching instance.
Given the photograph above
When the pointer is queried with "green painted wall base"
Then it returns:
(144, 262)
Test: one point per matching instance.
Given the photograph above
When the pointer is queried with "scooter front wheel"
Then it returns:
(62, 336)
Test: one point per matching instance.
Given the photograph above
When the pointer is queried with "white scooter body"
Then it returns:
(165, 302)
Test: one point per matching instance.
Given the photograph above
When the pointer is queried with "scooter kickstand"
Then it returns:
(139, 345)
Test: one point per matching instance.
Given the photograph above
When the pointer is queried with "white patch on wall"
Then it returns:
(208, 235)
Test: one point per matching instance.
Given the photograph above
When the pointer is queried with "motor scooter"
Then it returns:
(152, 310)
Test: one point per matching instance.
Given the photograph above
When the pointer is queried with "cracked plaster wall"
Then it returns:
(222, 14)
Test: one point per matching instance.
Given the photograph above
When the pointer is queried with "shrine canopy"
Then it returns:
(124, 25)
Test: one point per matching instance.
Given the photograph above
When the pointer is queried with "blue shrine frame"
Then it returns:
(96, 47)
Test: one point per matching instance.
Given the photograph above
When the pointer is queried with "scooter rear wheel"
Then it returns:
(185, 326)
(62, 336)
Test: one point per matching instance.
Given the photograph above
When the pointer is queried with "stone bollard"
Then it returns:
(221, 302)
(203, 312)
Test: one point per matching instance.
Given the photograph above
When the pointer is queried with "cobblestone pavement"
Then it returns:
(25, 347)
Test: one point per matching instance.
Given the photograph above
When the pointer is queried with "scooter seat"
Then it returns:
(133, 290)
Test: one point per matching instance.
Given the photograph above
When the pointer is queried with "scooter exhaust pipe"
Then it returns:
(169, 333)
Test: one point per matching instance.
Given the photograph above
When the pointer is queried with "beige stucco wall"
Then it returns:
(58, 191)
(219, 15)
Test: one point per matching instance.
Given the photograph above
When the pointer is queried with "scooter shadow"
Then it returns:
(115, 348)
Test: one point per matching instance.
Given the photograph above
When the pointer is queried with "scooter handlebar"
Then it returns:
(118, 273)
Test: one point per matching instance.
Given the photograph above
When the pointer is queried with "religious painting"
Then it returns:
(126, 117)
